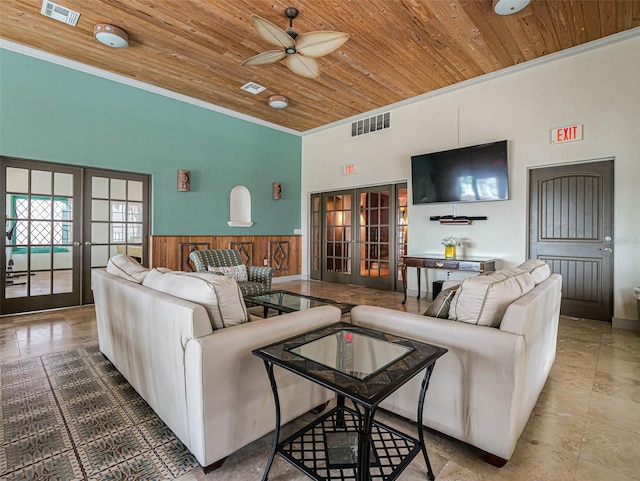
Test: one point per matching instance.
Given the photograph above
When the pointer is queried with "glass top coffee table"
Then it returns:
(286, 301)
(364, 366)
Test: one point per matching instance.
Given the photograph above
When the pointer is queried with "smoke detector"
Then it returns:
(111, 35)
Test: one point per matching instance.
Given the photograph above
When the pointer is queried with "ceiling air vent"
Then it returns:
(371, 124)
(253, 88)
(60, 13)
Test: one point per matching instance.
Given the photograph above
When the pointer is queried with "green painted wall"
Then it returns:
(57, 114)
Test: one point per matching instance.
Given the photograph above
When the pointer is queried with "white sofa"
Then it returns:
(203, 383)
(483, 390)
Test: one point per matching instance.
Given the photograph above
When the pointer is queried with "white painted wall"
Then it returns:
(599, 88)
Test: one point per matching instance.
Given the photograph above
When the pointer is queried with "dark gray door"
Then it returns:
(59, 222)
(358, 236)
(571, 228)
(40, 259)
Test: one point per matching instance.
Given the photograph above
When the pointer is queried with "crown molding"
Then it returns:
(72, 64)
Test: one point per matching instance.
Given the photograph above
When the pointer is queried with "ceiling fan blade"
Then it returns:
(317, 44)
(272, 33)
(272, 56)
(303, 66)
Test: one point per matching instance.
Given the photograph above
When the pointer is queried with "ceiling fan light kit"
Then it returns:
(278, 101)
(110, 35)
(507, 7)
(298, 50)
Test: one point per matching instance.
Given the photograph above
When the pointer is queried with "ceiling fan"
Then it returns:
(299, 50)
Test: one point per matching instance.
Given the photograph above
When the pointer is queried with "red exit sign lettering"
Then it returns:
(570, 133)
(349, 169)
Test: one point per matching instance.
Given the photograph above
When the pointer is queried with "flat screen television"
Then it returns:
(469, 174)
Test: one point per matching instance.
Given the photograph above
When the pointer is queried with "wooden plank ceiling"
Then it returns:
(398, 48)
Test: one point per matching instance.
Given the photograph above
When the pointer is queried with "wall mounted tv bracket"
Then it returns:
(456, 219)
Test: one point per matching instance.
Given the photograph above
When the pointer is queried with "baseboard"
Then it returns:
(629, 324)
(275, 280)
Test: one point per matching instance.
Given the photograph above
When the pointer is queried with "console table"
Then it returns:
(467, 264)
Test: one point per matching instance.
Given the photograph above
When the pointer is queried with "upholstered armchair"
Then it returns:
(227, 261)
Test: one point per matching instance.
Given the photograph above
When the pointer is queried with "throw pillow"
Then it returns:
(538, 269)
(239, 273)
(440, 305)
(219, 295)
(483, 300)
(128, 268)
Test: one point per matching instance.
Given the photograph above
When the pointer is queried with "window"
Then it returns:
(47, 220)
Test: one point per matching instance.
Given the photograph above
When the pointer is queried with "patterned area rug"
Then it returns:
(72, 416)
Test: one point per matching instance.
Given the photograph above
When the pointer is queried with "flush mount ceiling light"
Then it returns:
(111, 35)
(278, 101)
(507, 7)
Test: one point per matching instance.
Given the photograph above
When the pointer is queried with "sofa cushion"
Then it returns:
(239, 273)
(128, 268)
(538, 269)
(219, 295)
(482, 300)
(441, 304)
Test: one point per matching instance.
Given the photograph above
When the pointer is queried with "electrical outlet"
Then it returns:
(266, 262)
(297, 231)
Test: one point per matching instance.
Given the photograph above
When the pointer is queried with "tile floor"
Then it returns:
(585, 426)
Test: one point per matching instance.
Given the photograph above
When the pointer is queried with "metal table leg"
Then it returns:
(364, 445)
(423, 391)
(276, 435)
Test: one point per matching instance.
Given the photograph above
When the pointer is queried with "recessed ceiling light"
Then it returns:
(278, 101)
(507, 7)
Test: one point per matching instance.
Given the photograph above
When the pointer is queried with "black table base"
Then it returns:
(342, 442)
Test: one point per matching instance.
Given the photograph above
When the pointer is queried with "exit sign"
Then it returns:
(349, 169)
(570, 133)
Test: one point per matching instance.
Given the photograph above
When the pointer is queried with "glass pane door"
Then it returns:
(402, 220)
(116, 221)
(338, 235)
(316, 236)
(359, 236)
(374, 240)
(41, 255)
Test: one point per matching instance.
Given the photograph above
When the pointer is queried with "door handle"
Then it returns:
(606, 249)
(87, 243)
(76, 244)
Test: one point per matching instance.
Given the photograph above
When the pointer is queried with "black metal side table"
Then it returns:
(364, 366)
(286, 301)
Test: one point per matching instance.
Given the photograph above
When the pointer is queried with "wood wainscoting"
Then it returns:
(281, 252)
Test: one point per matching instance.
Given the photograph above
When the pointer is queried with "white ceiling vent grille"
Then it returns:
(60, 13)
(371, 124)
(253, 88)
